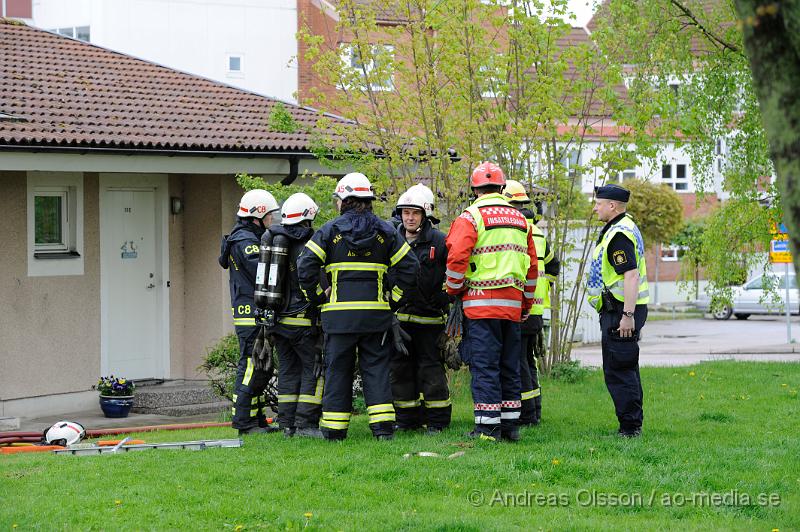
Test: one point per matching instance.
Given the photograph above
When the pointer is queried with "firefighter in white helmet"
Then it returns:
(419, 379)
(297, 331)
(358, 251)
(239, 255)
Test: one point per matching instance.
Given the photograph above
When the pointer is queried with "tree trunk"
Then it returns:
(772, 43)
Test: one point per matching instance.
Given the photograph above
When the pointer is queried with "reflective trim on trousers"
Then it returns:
(510, 415)
(288, 398)
(248, 373)
(315, 399)
(438, 404)
(407, 404)
(300, 322)
(485, 420)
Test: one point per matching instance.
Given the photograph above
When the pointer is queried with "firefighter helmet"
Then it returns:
(515, 192)
(417, 197)
(297, 208)
(486, 174)
(257, 203)
(354, 185)
(64, 433)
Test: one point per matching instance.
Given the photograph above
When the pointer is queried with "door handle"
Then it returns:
(151, 285)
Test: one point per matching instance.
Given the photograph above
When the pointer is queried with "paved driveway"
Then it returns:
(681, 342)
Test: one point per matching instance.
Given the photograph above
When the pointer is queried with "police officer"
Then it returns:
(239, 255)
(548, 268)
(358, 250)
(617, 288)
(296, 334)
(492, 265)
(419, 379)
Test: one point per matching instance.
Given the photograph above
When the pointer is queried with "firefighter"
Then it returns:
(492, 265)
(531, 329)
(357, 250)
(239, 255)
(419, 379)
(296, 333)
(618, 290)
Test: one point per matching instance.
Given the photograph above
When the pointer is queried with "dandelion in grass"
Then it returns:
(556, 461)
(691, 373)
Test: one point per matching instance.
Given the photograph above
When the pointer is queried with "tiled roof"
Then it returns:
(62, 92)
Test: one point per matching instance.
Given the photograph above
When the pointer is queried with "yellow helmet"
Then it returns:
(515, 192)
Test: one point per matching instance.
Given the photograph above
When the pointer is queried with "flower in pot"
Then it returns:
(116, 395)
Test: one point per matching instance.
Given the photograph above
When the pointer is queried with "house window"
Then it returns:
(675, 176)
(572, 163)
(51, 219)
(377, 68)
(672, 253)
(235, 65)
(82, 33)
(55, 223)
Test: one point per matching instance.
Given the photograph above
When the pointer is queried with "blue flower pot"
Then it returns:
(116, 406)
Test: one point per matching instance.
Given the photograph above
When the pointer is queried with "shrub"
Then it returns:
(570, 371)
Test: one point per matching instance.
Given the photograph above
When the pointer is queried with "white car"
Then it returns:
(755, 297)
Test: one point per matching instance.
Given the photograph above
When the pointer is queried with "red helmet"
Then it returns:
(487, 174)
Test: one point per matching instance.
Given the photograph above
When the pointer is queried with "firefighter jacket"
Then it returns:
(239, 254)
(548, 266)
(601, 271)
(427, 302)
(492, 260)
(297, 310)
(357, 251)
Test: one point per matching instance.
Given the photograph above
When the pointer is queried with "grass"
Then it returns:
(724, 428)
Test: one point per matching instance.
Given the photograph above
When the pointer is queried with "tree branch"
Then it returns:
(711, 36)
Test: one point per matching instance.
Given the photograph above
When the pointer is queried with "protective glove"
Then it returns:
(452, 356)
(399, 337)
(262, 351)
(539, 349)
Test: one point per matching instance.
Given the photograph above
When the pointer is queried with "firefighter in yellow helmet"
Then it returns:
(532, 329)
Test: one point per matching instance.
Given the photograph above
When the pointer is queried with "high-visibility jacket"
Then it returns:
(239, 255)
(492, 260)
(601, 271)
(427, 302)
(357, 251)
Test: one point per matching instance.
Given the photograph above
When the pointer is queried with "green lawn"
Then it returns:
(727, 430)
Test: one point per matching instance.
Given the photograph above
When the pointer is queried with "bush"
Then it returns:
(570, 371)
(220, 366)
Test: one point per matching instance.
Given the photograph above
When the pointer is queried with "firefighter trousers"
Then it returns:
(491, 347)
(419, 380)
(299, 392)
(529, 377)
(374, 360)
(248, 391)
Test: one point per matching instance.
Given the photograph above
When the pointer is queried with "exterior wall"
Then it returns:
(55, 345)
(194, 36)
(177, 281)
(319, 21)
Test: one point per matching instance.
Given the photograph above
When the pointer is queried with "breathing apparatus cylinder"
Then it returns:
(270, 274)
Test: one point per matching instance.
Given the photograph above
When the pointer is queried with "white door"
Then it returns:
(133, 283)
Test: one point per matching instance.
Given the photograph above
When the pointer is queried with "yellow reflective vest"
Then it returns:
(602, 273)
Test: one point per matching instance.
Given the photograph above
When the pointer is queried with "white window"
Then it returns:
(675, 176)
(377, 68)
(572, 163)
(235, 65)
(82, 33)
(55, 223)
(672, 253)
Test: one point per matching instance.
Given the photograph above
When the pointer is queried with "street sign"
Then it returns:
(779, 249)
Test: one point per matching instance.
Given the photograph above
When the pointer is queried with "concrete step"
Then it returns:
(149, 399)
(192, 410)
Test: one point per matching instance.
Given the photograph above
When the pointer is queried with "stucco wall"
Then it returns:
(177, 307)
(50, 325)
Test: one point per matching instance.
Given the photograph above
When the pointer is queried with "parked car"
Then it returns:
(763, 294)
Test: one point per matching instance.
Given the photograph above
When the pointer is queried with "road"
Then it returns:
(681, 342)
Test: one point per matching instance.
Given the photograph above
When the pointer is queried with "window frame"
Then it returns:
(346, 55)
(65, 243)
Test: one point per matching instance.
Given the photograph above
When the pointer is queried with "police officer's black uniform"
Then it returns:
(419, 379)
(357, 250)
(239, 255)
(296, 342)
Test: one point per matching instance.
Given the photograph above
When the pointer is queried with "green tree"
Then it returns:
(657, 209)
(319, 188)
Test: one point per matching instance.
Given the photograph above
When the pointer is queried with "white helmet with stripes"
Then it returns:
(354, 185)
(256, 203)
(298, 207)
(64, 433)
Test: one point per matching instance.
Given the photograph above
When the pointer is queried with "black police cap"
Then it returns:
(612, 192)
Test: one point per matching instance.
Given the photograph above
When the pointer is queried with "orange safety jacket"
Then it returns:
(508, 302)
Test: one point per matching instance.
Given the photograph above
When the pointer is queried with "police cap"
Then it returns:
(612, 192)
